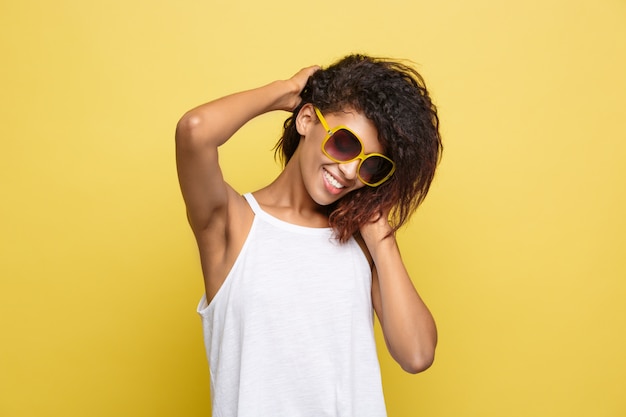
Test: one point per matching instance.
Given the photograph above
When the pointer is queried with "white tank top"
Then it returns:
(290, 331)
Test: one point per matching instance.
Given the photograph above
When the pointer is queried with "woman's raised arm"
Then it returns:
(203, 129)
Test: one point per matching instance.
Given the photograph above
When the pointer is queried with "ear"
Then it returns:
(305, 119)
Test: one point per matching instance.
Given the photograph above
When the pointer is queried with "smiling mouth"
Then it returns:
(332, 181)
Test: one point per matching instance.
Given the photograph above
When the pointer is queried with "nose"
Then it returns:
(349, 169)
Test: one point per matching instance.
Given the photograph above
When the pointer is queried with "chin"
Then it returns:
(323, 198)
(328, 199)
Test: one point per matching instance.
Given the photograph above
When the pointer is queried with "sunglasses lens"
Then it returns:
(343, 145)
(375, 168)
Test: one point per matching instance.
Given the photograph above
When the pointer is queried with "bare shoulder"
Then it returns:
(240, 214)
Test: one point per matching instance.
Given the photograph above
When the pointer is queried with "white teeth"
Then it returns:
(332, 180)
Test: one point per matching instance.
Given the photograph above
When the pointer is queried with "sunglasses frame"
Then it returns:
(362, 156)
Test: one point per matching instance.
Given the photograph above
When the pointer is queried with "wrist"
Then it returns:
(383, 247)
(286, 95)
(378, 235)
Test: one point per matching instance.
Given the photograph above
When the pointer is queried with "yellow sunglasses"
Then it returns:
(343, 145)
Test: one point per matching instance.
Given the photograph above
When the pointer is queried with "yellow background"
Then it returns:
(519, 250)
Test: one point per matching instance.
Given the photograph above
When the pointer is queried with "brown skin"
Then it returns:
(221, 218)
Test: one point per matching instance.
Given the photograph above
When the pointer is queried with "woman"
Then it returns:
(294, 270)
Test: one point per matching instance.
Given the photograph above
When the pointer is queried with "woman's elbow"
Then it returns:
(419, 362)
(188, 127)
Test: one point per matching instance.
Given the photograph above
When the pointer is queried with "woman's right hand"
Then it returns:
(296, 85)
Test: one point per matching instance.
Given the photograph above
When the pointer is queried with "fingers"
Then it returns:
(302, 76)
(296, 84)
(308, 71)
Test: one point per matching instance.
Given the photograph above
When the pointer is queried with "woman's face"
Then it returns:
(325, 180)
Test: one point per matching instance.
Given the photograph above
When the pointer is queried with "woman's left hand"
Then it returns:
(377, 229)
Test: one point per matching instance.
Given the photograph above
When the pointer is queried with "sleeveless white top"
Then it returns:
(290, 331)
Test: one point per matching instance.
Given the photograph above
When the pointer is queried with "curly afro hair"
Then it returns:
(394, 97)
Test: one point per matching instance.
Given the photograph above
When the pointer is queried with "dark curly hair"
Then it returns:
(394, 97)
